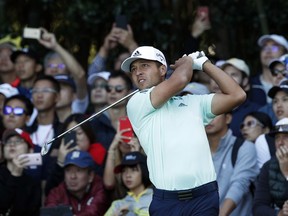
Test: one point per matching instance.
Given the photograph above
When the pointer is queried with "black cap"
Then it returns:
(25, 51)
(130, 159)
(282, 87)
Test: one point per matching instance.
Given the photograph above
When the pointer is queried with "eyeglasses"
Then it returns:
(117, 88)
(43, 90)
(101, 86)
(15, 142)
(18, 111)
(54, 66)
(275, 72)
(251, 124)
(272, 48)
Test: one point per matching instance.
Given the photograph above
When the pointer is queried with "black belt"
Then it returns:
(186, 194)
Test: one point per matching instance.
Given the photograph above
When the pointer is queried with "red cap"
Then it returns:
(17, 132)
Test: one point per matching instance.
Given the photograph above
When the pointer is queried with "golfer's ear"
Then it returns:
(163, 70)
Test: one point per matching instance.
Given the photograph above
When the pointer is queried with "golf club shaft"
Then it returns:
(45, 148)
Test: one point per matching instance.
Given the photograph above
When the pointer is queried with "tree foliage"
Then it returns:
(79, 24)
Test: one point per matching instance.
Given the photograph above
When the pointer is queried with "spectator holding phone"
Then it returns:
(116, 37)
(180, 168)
(83, 140)
(116, 152)
(135, 177)
(105, 125)
(60, 61)
(81, 188)
(20, 194)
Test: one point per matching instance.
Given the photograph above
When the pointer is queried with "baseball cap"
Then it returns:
(8, 45)
(80, 159)
(17, 132)
(103, 75)
(7, 90)
(237, 63)
(130, 159)
(144, 52)
(281, 126)
(25, 51)
(282, 87)
(66, 79)
(277, 38)
(281, 60)
(195, 88)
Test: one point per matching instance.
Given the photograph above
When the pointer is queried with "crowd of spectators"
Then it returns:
(92, 173)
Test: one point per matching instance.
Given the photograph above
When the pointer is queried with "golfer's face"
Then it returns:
(145, 73)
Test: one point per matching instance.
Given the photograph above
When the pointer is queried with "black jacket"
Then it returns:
(18, 195)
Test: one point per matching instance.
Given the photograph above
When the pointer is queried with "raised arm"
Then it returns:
(77, 72)
(178, 80)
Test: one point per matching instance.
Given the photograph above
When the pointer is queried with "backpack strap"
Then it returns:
(237, 144)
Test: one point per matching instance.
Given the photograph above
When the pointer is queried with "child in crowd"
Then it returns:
(135, 177)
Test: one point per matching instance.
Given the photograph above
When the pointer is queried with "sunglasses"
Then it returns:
(272, 48)
(117, 88)
(54, 66)
(275, 72)
(18, 111)
(251, 124)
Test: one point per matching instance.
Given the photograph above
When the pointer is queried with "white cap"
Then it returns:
(144, 52)
(277, 38)
(237, 63)
(283, 121)
(196, 88)
(7, 90)
(103, 75)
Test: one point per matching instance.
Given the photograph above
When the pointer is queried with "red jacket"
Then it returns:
(94, 203)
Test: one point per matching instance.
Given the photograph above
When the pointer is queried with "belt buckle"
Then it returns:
(185, 195)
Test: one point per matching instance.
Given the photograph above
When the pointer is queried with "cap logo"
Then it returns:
(75, 155)
(137, 53)
(160, 56)
(130, 157)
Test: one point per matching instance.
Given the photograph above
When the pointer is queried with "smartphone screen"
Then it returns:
(121, 21)
(70, 136)
(124, 123)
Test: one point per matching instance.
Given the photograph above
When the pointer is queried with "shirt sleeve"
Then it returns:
(97, 65)
(244, 173)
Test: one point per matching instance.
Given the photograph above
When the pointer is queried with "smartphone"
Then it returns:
(203, 10)
(34, 159)
(70, 136)
(32, 33)
(124, 123)
(121, 21)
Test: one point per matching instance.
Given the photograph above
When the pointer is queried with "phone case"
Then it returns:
(34, 159)
(121, 21)
(203, 10)
(124, 124)
(32, 33)
(70, 136)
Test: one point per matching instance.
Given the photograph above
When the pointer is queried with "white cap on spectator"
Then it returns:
(104, 75)
(7, 90)
(237, 63)
(277, 38)
(144, 52)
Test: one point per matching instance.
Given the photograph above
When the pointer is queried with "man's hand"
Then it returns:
(282, 156)
(199, 59)
(48, 39)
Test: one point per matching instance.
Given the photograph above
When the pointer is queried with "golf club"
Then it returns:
(45, 148)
